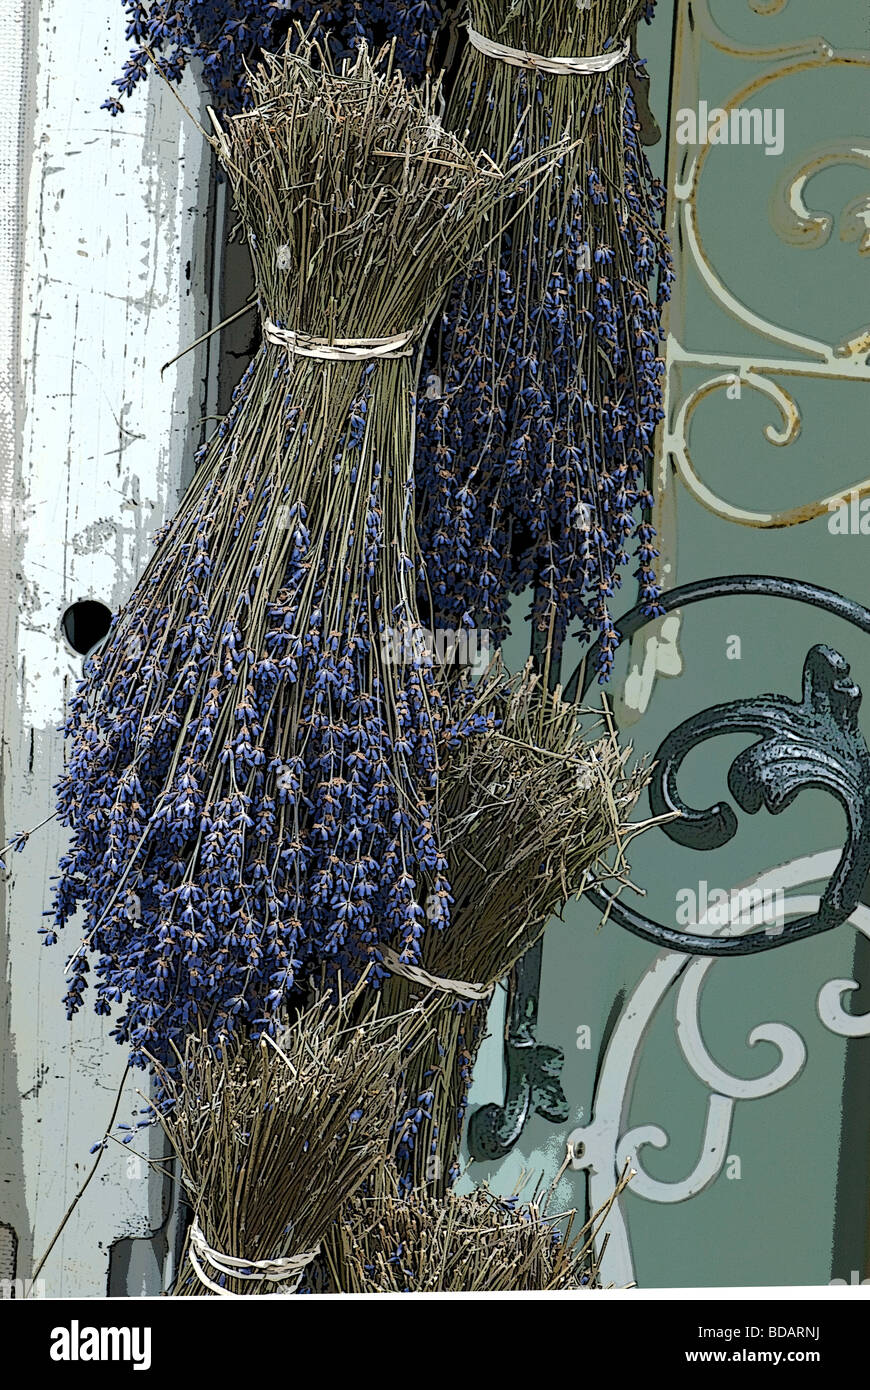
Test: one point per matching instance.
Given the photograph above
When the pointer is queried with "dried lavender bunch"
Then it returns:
(250, 781)
(544, 388)
(532, 813)
(225, 38)
(537, 424)
(275, 1139)
(477, 1243)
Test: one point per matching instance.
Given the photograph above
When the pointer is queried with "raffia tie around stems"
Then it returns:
(588, 65)
(419, 976)
(341, 349)
(274, 1271)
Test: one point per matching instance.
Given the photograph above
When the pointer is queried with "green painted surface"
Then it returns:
(778, 1222)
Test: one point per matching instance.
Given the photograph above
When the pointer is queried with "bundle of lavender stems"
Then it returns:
(533, 813)
(251, 781)
(543, 386)
(274, 1140)
(478, 1242)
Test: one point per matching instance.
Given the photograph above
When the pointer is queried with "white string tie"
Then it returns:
(563, 67)
(274, 1271)
(419, 976)
(340, 349)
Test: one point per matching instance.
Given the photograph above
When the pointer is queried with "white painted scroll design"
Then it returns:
(605, 1144)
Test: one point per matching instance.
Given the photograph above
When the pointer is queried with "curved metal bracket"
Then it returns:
(811, 742)
(532, 1072)
(638, 81)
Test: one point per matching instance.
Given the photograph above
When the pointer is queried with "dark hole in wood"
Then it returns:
(85, 624)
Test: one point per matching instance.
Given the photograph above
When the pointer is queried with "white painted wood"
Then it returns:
(105, 251)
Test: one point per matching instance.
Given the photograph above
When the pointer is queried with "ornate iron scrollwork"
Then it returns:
(814, 742)
(533, 1071)
(811, 742)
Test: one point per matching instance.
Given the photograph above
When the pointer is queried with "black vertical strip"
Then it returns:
(850, 1254)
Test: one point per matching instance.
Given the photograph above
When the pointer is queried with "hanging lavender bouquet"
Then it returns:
(479, 1242)
(544, 386)
(274, 1140)
(543, 393)
(251, 781)
(227, 37)
(533, 812)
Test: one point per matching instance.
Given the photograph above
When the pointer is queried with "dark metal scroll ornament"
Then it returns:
(812, 742)
(533, 1071)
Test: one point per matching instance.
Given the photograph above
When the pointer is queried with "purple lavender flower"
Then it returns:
(542, 394)
(223, 36)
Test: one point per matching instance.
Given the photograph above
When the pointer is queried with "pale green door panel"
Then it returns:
(762, 1183)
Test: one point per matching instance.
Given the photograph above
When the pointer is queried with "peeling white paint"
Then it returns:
(93, 446)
